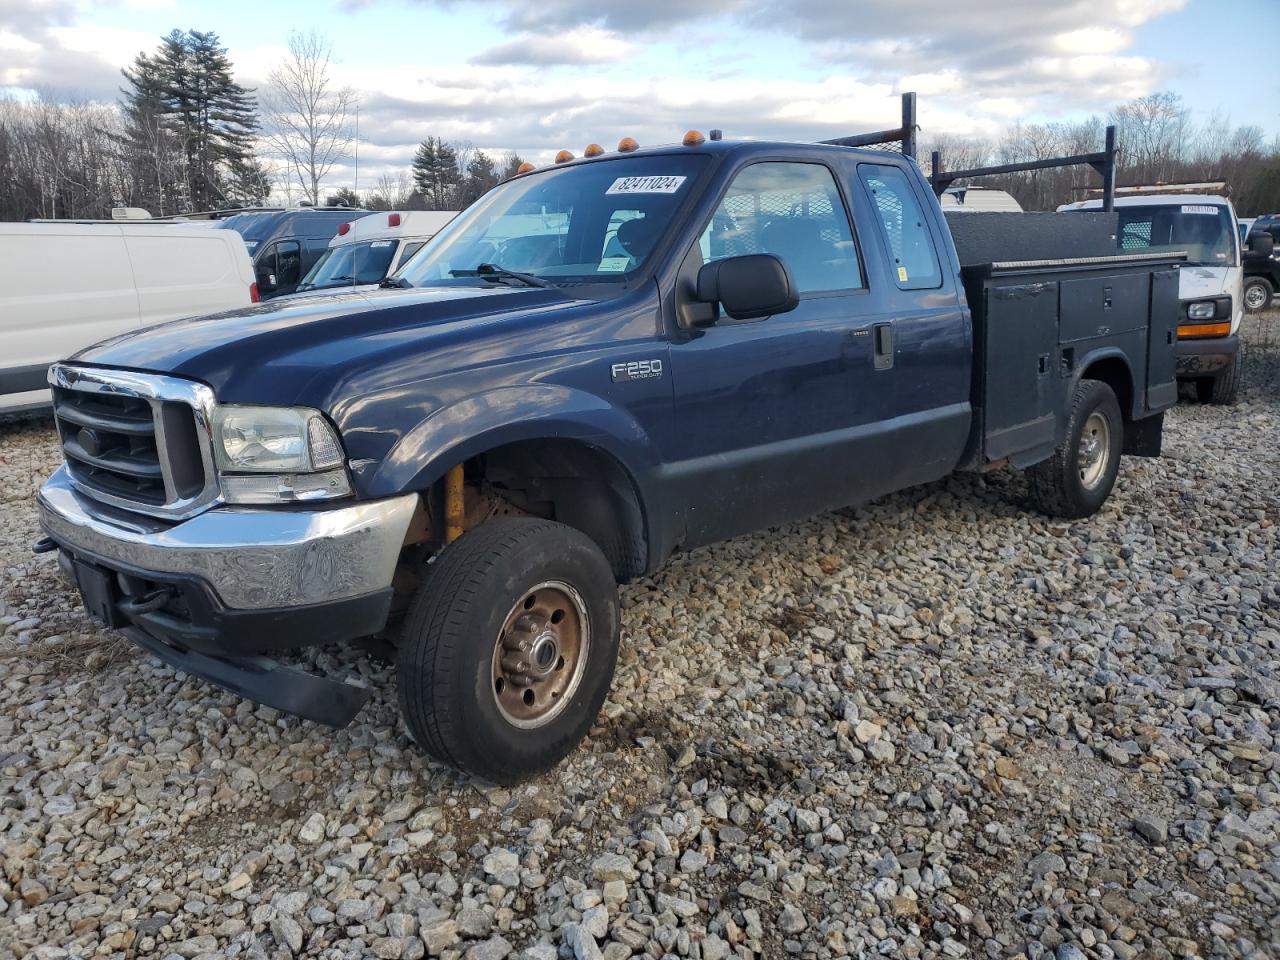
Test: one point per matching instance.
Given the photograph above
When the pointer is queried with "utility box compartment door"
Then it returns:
(1019, 342)
(1162, 382)
(1103, 306)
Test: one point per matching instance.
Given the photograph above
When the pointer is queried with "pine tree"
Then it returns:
(482, 176)
(226, 117)
(148, 148)
(344, 197)
(510, 165)
(435, 173)
(189, 125)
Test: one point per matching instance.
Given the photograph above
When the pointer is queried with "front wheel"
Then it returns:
(1257, 294)
(1223, 389)
(509, 648)
(1076, 481)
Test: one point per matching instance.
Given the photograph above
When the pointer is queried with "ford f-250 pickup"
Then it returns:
(599, 363)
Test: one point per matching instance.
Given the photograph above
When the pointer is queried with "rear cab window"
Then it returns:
(903, 227)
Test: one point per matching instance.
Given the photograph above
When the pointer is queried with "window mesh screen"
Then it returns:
(741, 218)
(1136, 235)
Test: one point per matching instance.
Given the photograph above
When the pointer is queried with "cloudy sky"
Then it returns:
(538, 76)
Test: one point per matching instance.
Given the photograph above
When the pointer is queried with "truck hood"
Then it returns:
(297, 351)
(327, 292)
(1195, 283)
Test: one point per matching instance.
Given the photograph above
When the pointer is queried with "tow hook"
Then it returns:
(148, 604)
(44, 545)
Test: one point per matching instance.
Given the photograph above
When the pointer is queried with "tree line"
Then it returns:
(1159, 142)
(185, 136)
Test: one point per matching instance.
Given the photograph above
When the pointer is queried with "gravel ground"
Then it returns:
(934, 726)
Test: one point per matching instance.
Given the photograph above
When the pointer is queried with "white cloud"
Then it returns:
(1093, 40)
(581, 45)
(562, 73)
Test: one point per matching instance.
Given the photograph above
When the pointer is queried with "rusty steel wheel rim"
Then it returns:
(540, 655)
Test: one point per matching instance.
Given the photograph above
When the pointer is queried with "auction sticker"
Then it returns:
(646, 185)
(1201, 209)
(614, 265)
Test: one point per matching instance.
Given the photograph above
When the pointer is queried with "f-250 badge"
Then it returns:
(635, 370)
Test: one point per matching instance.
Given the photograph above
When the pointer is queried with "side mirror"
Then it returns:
(749, 287)
(1262, 243)
(266, 281)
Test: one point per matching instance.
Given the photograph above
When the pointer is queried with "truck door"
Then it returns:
(771, 416)
(922, 345)
(279, 268)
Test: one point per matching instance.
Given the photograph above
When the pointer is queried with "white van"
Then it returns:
(65, 286)
(367, 251)
(1210, 284)
(978, 200)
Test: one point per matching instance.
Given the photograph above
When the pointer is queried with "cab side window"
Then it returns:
(288, 263)
(902, 222)
(794, 211)
(408, 250)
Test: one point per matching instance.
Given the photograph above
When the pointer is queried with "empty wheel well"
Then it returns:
(1114, 372)
(575, 484)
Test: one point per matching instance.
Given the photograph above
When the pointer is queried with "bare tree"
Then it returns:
(308, 119)
(1153, 132)
(391, 191)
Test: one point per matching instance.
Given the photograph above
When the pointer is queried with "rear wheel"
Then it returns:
(509, 648)
(1257, 293)
(1076, 481)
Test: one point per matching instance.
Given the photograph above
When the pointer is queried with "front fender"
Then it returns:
(484, 421)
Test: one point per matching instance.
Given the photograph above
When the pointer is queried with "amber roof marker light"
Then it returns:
(593, 150)
(694, 138)
(564, 156)
(525, 167)
(627, 145)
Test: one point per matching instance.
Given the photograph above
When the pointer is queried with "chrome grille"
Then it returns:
(136, 441)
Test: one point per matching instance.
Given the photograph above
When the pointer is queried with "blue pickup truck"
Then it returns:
(599, 363)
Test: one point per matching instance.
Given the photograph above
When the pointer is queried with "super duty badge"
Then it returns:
(635, 370)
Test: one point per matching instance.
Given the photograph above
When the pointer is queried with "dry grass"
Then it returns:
(64, 656)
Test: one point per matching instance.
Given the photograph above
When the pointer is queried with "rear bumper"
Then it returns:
(1207, 357)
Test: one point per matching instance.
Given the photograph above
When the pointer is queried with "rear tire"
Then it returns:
(1258, 292)
(509, 648)
(1076, 481)
(1224, 389)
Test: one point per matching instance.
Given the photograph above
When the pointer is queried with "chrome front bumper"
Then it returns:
(252, 558)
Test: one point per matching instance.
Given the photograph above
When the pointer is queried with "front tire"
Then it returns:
(1257, 294)
(1224, 389)
(1076, 481)
(509, 648)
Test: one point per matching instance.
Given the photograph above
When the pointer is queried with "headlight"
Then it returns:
(1202, 311)
(289, 453)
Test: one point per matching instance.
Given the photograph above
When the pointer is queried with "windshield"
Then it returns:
(352, 263)
(1204, 230)
(592, 222)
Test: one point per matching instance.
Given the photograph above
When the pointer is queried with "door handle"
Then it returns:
(882, 345)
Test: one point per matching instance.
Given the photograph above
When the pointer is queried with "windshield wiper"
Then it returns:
(394, 283)
(487, 270)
